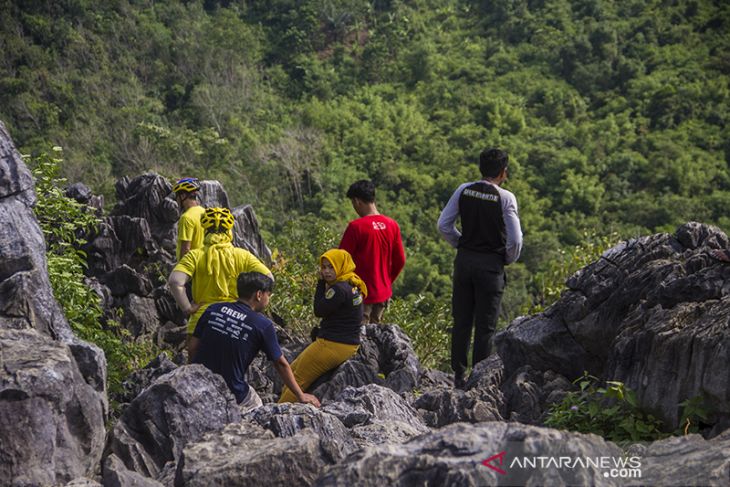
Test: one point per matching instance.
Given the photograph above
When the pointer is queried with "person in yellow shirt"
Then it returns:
(189, 231)
(213, 268)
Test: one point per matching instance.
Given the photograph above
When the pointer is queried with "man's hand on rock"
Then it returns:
(309, 399)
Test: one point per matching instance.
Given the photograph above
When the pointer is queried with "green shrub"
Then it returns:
(296, 268)
(611, 412)
(63, 222)
(695, 412)
(427, 321)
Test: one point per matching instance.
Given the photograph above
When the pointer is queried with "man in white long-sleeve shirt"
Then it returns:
(490, 238)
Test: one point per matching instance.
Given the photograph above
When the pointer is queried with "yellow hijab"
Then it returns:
(219, 255)
(344, 267)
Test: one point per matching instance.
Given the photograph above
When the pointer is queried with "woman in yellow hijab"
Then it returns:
(338, 301)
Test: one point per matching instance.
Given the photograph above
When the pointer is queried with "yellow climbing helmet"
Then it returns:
(187, 185)
(217, 220)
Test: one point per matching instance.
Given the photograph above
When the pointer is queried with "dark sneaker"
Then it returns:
(459, 382)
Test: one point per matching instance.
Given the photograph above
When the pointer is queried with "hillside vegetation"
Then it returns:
(615, 113)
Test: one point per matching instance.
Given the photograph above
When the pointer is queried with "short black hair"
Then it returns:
(492, 161)
(250, 282)
(363, 190)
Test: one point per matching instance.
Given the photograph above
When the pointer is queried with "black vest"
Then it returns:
(482, 220)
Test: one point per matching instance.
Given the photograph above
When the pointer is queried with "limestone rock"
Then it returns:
(529, 393)
(51, 419)
(241, 455)
(117, 475)
(179, 407)
(651, 312)
(139, 315)
(246, 233)
(52, 385)
(83, 482)
(124, 280)
(688, 460)
(144, 377)
(121, 240)
(376, 414)
(212, 194)
(454, 455)
(26, 299)
(148, 197)
(285, 420)
(15, 178)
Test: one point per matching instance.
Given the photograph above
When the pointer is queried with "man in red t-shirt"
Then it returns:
(375, 244)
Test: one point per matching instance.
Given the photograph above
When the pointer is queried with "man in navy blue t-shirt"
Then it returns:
(229, 335)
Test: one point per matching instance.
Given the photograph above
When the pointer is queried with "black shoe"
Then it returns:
(459, 382)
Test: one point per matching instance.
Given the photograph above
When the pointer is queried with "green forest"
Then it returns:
(614, 114)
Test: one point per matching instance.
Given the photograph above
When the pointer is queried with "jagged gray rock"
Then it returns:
(147, 197)
(454, 454)
(144, 377)
(446, 406)
(26, 299)
(115, 474)
(687, 460)
(167, 309)
(212, 194)
(83, 482)
(15, 178)
(651, 312)
(246, 233)
(179, 407)
(243, 454)
(51, 420)
(376, 414)
(139, 315)
(481, 400)
(121, 240)
(285, 420)
(52, 393)
(529, 394)
(124, 280)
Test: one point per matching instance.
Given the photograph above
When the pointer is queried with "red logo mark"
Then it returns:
(499, 456)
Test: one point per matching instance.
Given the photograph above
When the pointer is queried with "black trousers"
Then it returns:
(478, 287)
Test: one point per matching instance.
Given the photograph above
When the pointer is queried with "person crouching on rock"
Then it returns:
(213, 268)
(228, 336)
(338, 301)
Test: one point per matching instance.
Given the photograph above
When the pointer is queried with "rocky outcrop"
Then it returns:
(52, 386)
(246, 233)
(286, 420)
(455, 455)
(144, 377)
(244, 454)
(116, 474)
(26, 299)
(375, 414)
(528, 394)
(688, 460)
(651, 312)
(292, 444)
(179, 407)
(51, 419)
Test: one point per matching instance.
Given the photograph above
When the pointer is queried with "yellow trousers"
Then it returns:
(317, 359)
